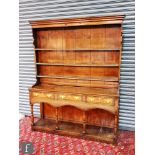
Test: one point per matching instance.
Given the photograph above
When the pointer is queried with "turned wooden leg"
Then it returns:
(115, 126)
(84, 122)
(42, 110)
(116, 117)
(57, 126)
(32, 117)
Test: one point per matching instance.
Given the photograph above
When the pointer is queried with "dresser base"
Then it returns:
(75, 130)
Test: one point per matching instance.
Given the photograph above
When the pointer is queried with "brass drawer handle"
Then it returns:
(91, 99)
(77, 98)
(35, 94)
(61, 96)
(49, 95)
(108, 101)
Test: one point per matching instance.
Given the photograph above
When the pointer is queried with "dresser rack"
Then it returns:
(77, 64)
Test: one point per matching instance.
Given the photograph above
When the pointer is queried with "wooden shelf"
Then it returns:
(76, 90)
(81, 65)
(73, 129)
(106, 78)
(111, 126)
(50, 49)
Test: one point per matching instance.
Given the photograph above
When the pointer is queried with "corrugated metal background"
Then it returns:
(48, 9)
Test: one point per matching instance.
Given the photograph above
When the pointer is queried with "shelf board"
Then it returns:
(50, 49)
(78, 90)
(82, 65)
(114, 79)
(73, 129)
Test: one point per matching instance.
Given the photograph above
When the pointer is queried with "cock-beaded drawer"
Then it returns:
(43, 95)
(70, 97)
(57, 96)
(101, 100)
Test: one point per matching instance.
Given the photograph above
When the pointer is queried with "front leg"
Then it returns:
(42, 110)
(32, 116)
(57, 125)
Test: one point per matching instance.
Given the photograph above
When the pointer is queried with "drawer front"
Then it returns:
(69, 97)
(101, 100)
(42, 95)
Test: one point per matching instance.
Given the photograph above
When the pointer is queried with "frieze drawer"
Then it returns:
(70, 97)
(101, 100)
(43, 95)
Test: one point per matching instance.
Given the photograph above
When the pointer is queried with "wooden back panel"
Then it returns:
(82, 52)
(86, 37)
(79, 57)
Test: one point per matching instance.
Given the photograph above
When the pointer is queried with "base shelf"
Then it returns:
(75, 130)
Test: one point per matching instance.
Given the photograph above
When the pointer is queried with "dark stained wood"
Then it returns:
(77, 71)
